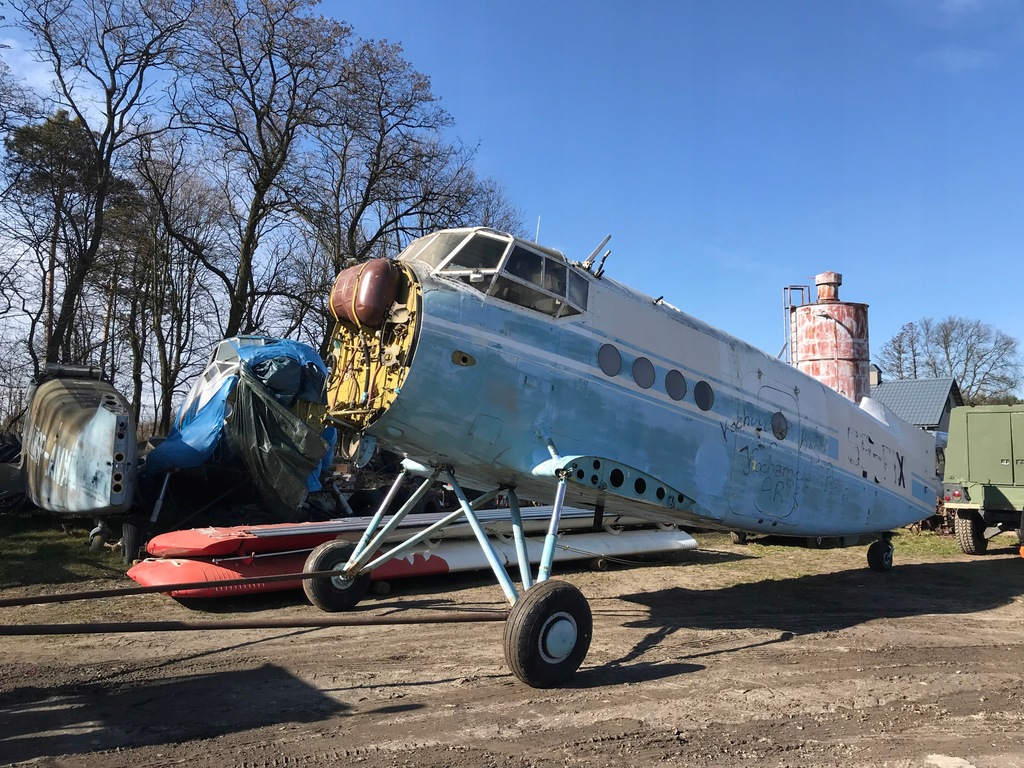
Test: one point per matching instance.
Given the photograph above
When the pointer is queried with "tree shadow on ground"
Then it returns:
(75, 719)
(804, 605)
(831, 601)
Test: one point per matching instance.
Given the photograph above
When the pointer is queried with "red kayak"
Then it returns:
(158, 572)
(257, 539)
(447, 556)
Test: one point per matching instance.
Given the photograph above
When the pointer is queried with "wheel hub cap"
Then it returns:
(340, 582)
(558, 637)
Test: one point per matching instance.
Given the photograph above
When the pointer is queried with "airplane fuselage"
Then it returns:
(644, 409)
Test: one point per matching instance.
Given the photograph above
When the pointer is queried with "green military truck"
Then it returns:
(983, 485)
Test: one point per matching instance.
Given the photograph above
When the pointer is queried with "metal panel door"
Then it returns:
(990, 452)
(1017, 440)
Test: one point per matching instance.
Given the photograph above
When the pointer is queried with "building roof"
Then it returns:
(918, 401)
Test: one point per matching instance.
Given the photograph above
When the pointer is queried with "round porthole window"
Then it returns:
(675, 385)
(780, 427)
(643, 373)
(609, 359)
(703, 395)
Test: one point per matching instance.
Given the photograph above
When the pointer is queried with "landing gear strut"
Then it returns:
(548, 631)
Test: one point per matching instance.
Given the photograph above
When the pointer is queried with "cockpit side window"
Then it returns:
(579, 289)
(526, 265)
(525, 296)
(541, 283)
(554, 277)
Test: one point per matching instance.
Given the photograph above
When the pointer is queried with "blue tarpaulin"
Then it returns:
(199, 426)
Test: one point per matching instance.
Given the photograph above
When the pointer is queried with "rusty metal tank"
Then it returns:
(829, 339)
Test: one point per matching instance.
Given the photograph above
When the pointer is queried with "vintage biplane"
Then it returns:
(493, 363)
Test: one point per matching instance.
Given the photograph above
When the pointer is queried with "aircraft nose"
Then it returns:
(376, 308)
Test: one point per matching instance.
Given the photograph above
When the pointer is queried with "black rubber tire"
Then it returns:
(547, 606)
(333, 594)
(738, 537)
(880, 556)
(98, 541)
(970, 533)
(131, 541)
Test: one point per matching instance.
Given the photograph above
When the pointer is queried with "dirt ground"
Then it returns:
(730, 655)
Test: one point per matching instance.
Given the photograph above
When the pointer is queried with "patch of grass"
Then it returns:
(43, 549)
(925, 544)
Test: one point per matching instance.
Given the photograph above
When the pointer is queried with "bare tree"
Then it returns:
(391, 174)
(899, 357)
(104, 55)
(185, 222)
(258, 80)
(18, 104)
(206, 168)
(984, 360)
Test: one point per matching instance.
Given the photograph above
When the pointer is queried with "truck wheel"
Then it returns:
(970, 533)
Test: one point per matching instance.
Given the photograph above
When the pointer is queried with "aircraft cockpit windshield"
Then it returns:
(507, 269)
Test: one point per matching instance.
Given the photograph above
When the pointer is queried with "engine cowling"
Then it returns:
(363, 294)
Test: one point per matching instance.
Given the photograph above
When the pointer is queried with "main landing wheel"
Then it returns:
(547, 634)
(880, 555)
(333, 593)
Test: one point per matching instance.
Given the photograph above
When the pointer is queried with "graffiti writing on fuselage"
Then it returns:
(876, 461)
(775, 482)
(813, 441)
(759, 421)
(833, 487)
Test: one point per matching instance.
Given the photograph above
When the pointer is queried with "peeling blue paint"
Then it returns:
(817, 468)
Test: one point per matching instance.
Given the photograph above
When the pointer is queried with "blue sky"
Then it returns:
(732, 148)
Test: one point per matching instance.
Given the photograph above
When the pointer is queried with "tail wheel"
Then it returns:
(970, 533)
(880, 556)
(98, 539)
(547, 634)
(333, 593)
